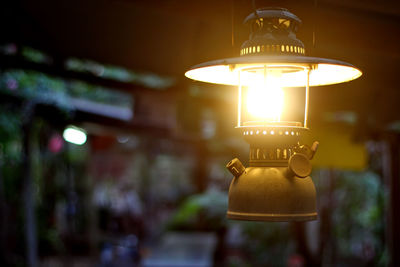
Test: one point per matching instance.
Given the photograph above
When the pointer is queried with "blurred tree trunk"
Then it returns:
(327, 241)
(201, 178)
(3, 214)
(302, 245)
(28, 196)
(327, 246)
(391, 168)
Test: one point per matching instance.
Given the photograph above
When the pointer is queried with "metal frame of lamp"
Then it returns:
(276, 186)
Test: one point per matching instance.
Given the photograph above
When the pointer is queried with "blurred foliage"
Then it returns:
(267, 243)
(55, 91)
(357, 202)
(76, 154)
(60, 189)
(121, 74)
(50, 187)
(170, 178)
(11, 185)
(35, 55)
(359, 218)
(201, 212)
(10, 145)
(34, 85)
(99, 94)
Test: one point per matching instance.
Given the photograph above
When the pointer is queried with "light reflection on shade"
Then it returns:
(323, 74)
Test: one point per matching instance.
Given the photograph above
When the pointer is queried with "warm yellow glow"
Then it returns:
(265, 98)
(321, 74)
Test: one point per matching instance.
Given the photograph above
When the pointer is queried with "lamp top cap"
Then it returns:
(271, 12)
(273, 43)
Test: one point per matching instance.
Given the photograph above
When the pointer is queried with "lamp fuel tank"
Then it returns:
(276, 186)
(271, 194)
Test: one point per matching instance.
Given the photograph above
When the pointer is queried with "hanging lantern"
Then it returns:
(276, 186)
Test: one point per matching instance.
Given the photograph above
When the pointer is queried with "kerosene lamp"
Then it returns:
(277, 185)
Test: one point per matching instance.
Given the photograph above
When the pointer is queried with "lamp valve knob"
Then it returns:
(299, 165)
(235, 167)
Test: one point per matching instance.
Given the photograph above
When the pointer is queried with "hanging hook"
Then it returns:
(314, 23)
(233, 22)
(255, 9)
